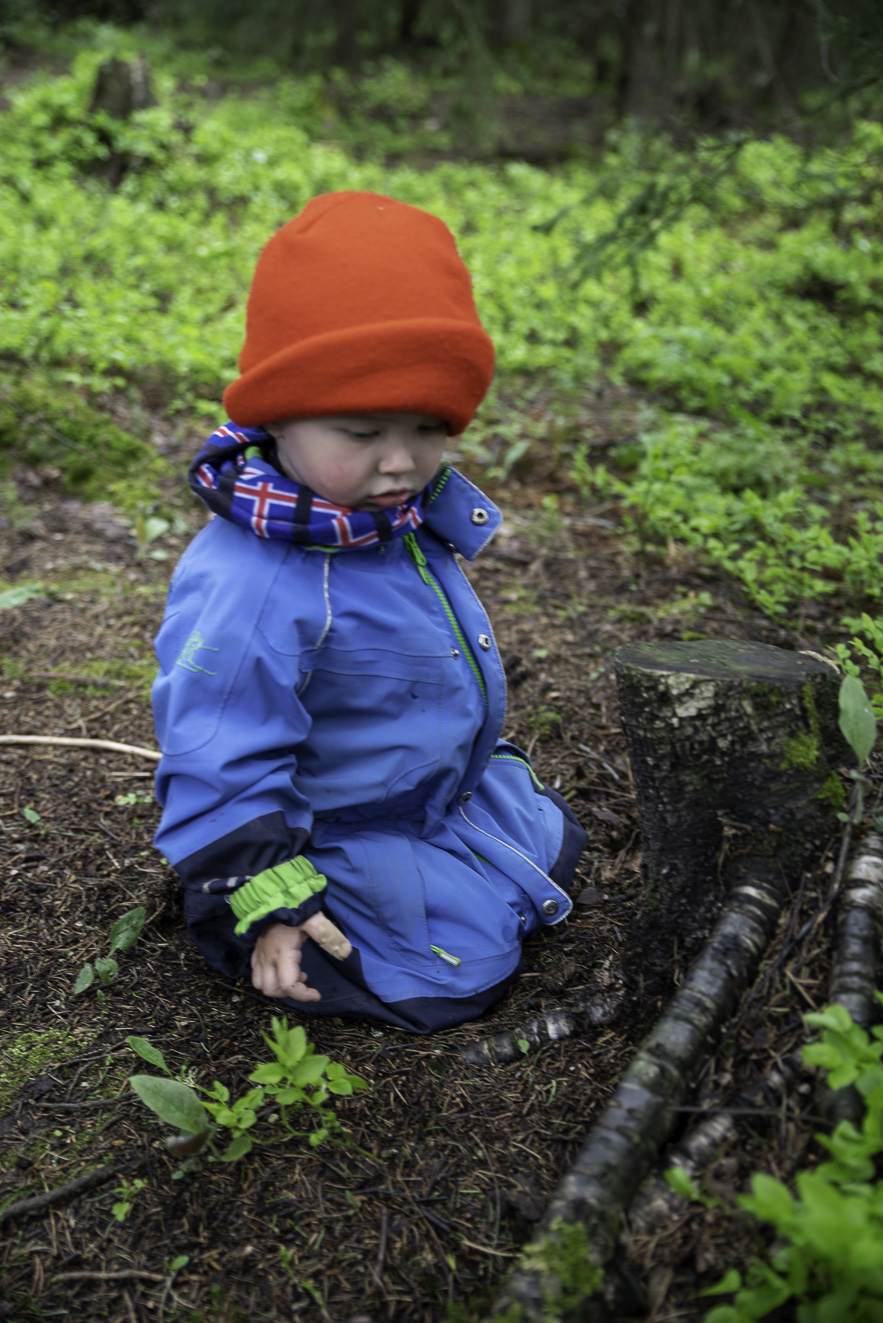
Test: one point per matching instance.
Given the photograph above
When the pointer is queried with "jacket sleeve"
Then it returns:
(229, 723)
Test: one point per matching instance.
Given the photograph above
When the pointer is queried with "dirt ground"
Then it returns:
(445, 1166)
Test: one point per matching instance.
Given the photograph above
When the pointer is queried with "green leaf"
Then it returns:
(23, 592)
(178, 1263)
(85, 979)
(769, 1200)
(126, 930)
(154, 527)
(148, 1052)
(267, 1073)
(342, 1088)
(106, 969)
(731, 1281)
(680, 1181)
(31, 814)
(857, 720)
(285, 1097)
(174, 1102)
(310, 1071)
(237, 1148)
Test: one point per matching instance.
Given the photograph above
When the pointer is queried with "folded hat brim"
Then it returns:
(441, 368)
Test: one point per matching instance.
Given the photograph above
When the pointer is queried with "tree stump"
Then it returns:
(121, 88)
(735, 749)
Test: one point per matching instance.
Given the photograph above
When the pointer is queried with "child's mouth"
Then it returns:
(391, 498)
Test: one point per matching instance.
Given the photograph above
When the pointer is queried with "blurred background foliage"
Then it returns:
(677, 200)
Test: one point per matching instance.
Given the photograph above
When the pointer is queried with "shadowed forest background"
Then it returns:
(673, 214)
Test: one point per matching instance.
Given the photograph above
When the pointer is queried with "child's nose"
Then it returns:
(397, 457)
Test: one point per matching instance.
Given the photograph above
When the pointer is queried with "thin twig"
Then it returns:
(381, 1253)
(81, 744)
(61, 1194)
(123, 1275)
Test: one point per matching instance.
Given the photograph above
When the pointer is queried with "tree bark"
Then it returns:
(583, 1015)
(577, 1234)
(734, 749)
(121, 88)
(856, 960)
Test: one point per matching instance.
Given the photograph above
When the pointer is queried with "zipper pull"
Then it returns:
(443, 955)
(413, 547)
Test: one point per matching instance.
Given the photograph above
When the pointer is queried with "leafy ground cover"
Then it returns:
(685, 442)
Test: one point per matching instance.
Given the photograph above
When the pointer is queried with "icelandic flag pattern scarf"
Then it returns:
(235, 478)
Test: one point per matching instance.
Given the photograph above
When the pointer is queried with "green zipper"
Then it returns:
(420, 561)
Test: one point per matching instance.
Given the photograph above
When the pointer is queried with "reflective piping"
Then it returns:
(515, 850)
(326, 593)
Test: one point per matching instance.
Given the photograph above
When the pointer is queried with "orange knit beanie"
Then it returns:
(361, 304)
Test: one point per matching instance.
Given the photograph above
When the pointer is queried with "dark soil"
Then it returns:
(445, 1166)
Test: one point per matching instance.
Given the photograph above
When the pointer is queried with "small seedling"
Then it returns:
(123, 934)
(149, 527)
(127, 1192)
(298, 1077)
(134, 797)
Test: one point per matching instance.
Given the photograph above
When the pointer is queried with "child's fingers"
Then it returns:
(275, 965)
(328, 936)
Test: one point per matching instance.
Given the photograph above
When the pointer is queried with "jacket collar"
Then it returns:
(459, 513)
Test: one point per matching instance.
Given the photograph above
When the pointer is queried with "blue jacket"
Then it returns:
(330, 724)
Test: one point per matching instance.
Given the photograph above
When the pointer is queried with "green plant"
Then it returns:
(123, 934)
(22, 593)
(825, 1258)
(544, 722)
(859, 728)
(297, 1078)
(869, 650)
(149, 527)
(127, 1192)
(134, 797)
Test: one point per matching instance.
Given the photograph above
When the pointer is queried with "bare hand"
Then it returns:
(275, 963)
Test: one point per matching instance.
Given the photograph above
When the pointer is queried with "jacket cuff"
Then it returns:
(283, 887)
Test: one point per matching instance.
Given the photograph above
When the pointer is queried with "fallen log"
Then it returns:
(591, 1012)
(580, 1226)
(656, 1204)
(854, 971)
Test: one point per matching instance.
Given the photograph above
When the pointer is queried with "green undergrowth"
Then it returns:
(50, 428)
(821, 1258)
(737, 284)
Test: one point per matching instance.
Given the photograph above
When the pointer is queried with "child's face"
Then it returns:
(369, 461)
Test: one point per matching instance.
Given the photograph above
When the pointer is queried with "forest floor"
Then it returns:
(445, 1166)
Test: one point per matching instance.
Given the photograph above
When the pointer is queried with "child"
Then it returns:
(337, 801)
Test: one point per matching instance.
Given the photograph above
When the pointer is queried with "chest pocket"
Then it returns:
(382, 722)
